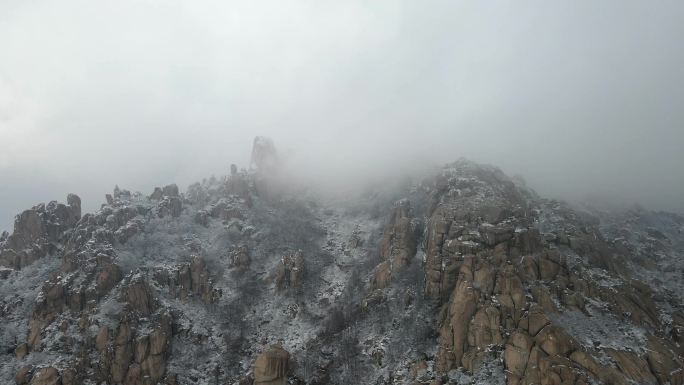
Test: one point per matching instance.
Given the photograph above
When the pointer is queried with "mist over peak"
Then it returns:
(571, 96)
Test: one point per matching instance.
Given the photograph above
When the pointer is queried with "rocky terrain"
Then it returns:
(464, 276)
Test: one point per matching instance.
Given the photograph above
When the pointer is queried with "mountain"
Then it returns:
(463, 276)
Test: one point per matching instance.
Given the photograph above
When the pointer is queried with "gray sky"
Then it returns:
(580, 97)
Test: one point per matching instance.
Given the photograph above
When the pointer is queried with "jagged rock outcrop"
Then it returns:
(37, 230)
(188, 280)
(170, 190)
(170, 205)
(290, 272)
(132, 357)
(271, 366)
(138, 295)
(264, 154)
(170, 201)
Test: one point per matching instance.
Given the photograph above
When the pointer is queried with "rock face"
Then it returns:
(468, 210)
(470, 278)
(36, 230)
(170, 201)
(132, 356)
(138, 295)
(398, 245)
(271, 366)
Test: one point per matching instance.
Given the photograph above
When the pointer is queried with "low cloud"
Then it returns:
(581, 98)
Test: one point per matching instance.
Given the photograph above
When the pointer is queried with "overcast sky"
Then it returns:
(579, 97)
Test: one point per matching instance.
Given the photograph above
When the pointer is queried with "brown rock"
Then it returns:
(381, 276)
(454, 332)
(34, 337)
(108, 277)
(142, 348)
(138, 294)
(473, 359)
(271, 366)
(46, 376)
(154, 366)
(549, 266)
(553, 340)
(542, 296)
(159, 341)
(606, 375)
(535, 320)
(124, 333)
(102, 338)
(663, 362)
(526, 242)
(517, 353)
(23, 375)
(398, 245)
(134, 375)
(123, 355)
(484, 328)
(634, 367)
(493, 235)
(511, 294)
(22, 350)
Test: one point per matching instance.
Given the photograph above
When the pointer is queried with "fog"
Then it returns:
(582, 98)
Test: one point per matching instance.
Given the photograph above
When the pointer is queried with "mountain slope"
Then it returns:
(465, 276)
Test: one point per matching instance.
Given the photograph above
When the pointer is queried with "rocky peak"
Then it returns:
(37, 231)
(264, 155)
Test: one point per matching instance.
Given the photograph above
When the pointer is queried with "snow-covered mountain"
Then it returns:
(464, 276)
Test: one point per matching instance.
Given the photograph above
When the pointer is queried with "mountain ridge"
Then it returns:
(463, 276)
